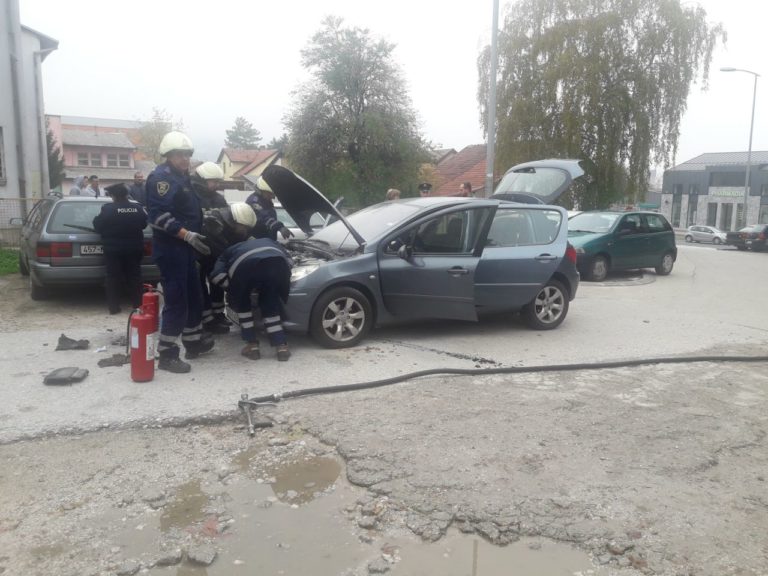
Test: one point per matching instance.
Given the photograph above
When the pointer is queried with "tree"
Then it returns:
(352, 128)
(605, 80)
(153, 130)
(55, 159)
(243, 135)
(280, 143)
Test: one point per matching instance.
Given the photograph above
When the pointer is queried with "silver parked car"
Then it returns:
(705, 234)
(439, 257)
(59, 246)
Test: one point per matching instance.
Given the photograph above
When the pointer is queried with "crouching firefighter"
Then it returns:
(176, 219)
(205, 180)
(257, 265)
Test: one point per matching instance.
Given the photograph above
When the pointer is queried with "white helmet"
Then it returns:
(175, 141)
(210, 171)
(261, 184)
(243, 214)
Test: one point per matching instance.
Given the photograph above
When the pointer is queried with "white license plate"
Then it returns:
(88, 249)
(749, 242)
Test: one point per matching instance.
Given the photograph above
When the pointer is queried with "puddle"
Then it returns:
(300, 482)
(464, 555)
(185, 509)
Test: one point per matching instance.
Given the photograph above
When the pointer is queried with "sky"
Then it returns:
(207, 63)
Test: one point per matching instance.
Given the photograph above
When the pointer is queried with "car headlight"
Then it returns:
(302, 272)
(580, 250)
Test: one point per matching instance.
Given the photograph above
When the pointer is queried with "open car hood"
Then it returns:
(301, 200)
(538, 182)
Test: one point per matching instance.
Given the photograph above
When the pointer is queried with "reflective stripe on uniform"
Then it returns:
(236, 263)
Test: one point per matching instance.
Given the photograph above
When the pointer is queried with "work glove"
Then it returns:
(285, 233)
(197, 242)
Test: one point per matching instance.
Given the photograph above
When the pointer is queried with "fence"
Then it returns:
(10, 208)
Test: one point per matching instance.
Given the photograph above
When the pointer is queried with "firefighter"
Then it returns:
(121, 224)
(263, 266)
(261, 201)
(205, 180)
(177, 219)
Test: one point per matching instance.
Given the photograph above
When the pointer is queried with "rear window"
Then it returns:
(597, 222)
(657, 223)
(539, 182)
(521, 227)
(69, 217)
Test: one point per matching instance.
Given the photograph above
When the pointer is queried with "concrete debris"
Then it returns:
(203, 554)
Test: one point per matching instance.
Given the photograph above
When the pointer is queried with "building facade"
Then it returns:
(709, 190)
(23, 148)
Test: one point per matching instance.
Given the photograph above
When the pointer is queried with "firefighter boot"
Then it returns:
(251, 351)
(197, 347)
(283, 353)
(170, 361)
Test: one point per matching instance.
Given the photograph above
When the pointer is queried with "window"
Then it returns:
(82, 158)
(96, 159)
(763, 217)
(727, 179)
(2, 160)
(69, 214)
(111, 160)
(712, 214)
(524, 227)
(124, 160)
(631, 224)
(453, 233)
(657, 223)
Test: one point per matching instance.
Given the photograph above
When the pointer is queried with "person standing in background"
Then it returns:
(136, 191)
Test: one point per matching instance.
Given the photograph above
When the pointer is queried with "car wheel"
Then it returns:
(598, 269)
(666, 265)
(23, 268)
(37, 292)
(549, 308)
(741, 247)
(688, 238)
(341, 318)
(716, 240)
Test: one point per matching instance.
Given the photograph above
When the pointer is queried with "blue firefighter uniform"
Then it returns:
(172, 206)
(259, 265)
(267, 225)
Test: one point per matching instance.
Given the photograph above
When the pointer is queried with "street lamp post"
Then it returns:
(751, 128)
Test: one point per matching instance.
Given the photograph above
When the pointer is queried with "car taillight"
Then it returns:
(570, 253)
(761, 236)
(54, 250)
(147, 247)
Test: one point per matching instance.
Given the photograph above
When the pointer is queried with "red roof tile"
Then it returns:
(466, 166)
(239, 155)
(260, 158)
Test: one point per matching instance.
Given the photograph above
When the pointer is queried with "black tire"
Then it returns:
(598, 269)
(688, 238)
(341, 318)
(742, 248)
(716, 241)
(549, 308)
(666, 265)
(23, 268)
(37, 292)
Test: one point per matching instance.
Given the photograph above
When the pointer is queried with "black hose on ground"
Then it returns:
(254, 402)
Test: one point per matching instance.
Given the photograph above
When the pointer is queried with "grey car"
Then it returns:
(60, 248)
(705, 234)
(440, 257)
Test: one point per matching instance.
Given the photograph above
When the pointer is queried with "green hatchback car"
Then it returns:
(607, 241)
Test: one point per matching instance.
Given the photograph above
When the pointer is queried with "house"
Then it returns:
(23, 148)
(107, 148)
(468, 165)
(237, 164)
(710, 190)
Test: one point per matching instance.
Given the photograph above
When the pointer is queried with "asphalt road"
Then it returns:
(712, 302)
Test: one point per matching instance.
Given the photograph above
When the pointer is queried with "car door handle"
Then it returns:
(458, 271)
(545, 258)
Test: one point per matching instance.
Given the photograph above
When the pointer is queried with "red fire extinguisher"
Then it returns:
(143, 332)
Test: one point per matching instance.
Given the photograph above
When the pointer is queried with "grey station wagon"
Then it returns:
(439, 257)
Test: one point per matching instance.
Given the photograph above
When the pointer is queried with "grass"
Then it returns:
(9, 261)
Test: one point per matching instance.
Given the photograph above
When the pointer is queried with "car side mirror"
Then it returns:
(405, 252)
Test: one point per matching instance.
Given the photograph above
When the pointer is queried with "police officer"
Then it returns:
(425, 189)
(260, 265)
(121, 224)
(205, 180)
(267, 223)
(175, 215)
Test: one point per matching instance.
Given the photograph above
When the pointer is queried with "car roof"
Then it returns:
(619, 212)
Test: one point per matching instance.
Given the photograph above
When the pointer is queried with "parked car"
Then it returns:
(317, 221)
(439, 257)
(607, 241)
(749, 238)
(705, 234)
(59, 246)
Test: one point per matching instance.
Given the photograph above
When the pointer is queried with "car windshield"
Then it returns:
(370, 222)
(539, 182)
(71, 217)
(285, 218)
(596, 222)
